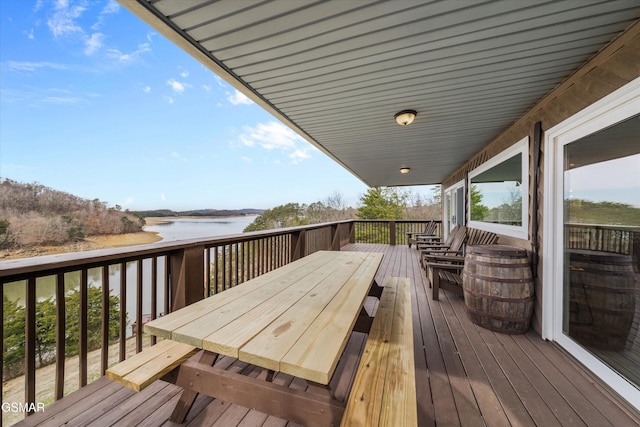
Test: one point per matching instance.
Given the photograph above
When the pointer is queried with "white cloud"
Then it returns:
(246, 159)
(184, 74)
(34, 66)
(207, 88)
(177, 155)
(63, 20)
(276, 136)
(163, 197)
(30, 35)
(119, 56)
(111, 7)
(93, 44)
(170, 99)
(177, 86)
(146, 89)
(238, 98)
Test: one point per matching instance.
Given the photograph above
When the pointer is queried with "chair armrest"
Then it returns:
(443, 266)
(445, 258)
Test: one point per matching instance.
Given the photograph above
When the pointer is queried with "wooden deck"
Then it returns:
(465, 375)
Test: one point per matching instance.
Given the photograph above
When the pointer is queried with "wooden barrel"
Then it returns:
(602, 298)
(498, 288)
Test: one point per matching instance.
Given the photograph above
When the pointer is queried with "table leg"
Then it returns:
(189, 396)
(364, 322)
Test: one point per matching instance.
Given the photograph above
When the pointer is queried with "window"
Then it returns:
(498, 197)
(454, 206)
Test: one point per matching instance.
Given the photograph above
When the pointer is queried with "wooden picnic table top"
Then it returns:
(295, 319)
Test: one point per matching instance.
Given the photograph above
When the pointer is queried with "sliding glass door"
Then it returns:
(591, 281)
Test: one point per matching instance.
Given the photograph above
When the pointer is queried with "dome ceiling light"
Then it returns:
(405, 117)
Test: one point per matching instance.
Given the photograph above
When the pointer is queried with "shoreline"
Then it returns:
(90, 243)
(103, 241)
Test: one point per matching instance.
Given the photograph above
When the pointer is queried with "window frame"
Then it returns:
(518, 231)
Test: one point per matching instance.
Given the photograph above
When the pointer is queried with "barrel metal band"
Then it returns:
(497, 264)
(497, 298)
(494, 279)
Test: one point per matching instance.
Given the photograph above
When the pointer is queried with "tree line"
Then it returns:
(377, 203)
(33, 214)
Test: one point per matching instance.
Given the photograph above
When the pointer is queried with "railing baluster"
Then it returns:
(123, 311)
(139, 279)
(30, 341)
(60, 336)
(207, 276)
(104, 351)
(237, 263)
(167, 286)
(224, 267)
(154, 293)
(84, 320)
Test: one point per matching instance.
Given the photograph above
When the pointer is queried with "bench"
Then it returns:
(152, 363)
(384, 390)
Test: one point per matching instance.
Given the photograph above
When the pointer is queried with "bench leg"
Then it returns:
(188, 396)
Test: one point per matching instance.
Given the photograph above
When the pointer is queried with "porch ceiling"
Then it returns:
(338, 71)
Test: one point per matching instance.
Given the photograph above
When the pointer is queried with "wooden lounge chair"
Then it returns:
(429, 230)
(445, 270)
(453, 245)
(426, 242)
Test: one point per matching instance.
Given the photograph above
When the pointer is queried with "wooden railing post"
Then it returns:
(352, 232)
(335, 237)
(298, 244)
(392, 233)
(187, 276)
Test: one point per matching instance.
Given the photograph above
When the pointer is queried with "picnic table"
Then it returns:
(295, 320)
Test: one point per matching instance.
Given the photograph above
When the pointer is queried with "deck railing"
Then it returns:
(145, 281)
(603, 238)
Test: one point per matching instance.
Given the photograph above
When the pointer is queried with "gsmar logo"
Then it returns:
(22, 407)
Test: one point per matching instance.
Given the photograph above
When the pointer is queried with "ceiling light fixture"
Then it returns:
(405, 117)
(405, 170)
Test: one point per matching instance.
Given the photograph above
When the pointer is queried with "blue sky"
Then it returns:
(96, 103)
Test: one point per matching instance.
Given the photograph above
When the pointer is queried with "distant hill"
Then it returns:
(198, 212)
(33, 214)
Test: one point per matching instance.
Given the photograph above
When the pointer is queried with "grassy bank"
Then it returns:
(88, 244)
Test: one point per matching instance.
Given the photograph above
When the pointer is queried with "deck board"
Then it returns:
(465, 375)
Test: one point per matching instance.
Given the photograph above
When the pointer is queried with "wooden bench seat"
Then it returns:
(152, 363)
(384, 391)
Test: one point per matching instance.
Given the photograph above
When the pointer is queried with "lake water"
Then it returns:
(189, 228)
(173, 229)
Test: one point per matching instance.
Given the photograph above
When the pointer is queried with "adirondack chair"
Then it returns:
(445, 271)
(435, 242)
(429, 231)
(453, 245)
